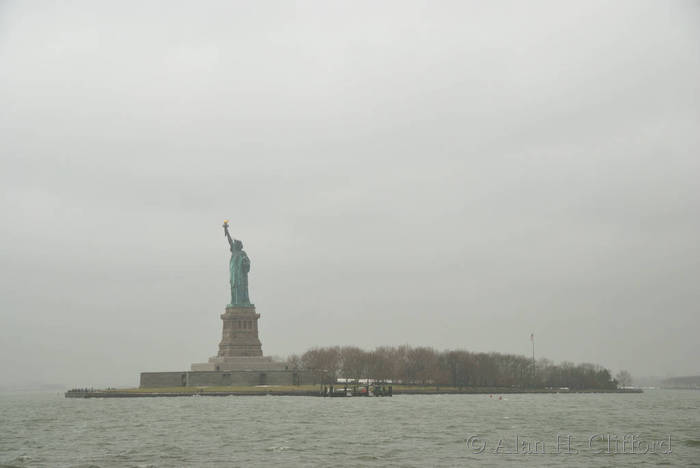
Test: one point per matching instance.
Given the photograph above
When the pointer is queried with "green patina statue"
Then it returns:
(239, 266)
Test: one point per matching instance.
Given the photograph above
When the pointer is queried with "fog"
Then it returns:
(446, 174)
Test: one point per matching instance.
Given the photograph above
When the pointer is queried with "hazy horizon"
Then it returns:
(454, 175)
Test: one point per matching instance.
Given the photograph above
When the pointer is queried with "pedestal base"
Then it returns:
(240, 332)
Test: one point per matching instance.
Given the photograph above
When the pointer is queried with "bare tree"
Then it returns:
(294, 362)
(323, 362)
(624, 378)
(459, 368)
(353, 362)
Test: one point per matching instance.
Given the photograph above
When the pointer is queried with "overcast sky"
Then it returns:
(449, 174)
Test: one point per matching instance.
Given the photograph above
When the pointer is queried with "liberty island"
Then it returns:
(240, 368)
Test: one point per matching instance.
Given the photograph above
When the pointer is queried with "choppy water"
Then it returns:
(50, 430)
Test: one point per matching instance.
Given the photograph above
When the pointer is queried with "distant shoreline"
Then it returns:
(308, 390)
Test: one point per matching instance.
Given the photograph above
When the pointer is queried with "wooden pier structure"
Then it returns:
(357, 391)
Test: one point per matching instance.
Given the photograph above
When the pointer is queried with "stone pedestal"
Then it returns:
(240, 348)
(240, 334)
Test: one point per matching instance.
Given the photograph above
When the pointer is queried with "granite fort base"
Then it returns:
(225, 379)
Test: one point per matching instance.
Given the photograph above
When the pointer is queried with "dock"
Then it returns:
(336, 391)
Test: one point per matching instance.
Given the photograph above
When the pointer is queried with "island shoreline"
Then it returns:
(271, 391)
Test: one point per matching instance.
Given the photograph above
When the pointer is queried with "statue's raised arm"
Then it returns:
(228, 236)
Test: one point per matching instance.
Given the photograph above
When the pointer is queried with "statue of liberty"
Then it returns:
(239, 266)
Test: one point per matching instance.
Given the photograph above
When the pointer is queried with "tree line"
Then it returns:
(457, 368)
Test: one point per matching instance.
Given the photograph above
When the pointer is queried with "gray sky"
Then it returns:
(450, 174)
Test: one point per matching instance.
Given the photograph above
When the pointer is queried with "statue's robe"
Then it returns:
(239, 266)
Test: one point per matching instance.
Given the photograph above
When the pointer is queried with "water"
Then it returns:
(47, 430)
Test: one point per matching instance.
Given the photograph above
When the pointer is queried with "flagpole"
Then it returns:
(532, 338)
